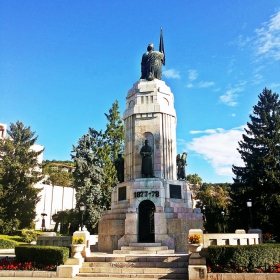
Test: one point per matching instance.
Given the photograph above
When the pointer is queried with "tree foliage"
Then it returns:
(194, 179)
(259, 179)
(58, 173)
(213, 199)
(111, 145)
(95, 174)
(19, 171)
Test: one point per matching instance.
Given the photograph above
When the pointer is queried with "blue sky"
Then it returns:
(63, 64)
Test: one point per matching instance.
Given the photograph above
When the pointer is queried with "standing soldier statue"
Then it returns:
(181, 161)
(152, 61)
(147, 169)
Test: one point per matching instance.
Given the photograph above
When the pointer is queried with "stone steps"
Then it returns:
(137, 261)
(155, 248)
(114, 266)
(153, 252)
(137, 264)
(133, 270)
(134, 276)
(144, 248)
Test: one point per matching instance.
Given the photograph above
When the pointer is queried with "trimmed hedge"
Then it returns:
(247, 256)
(7, 244)
(44, 255)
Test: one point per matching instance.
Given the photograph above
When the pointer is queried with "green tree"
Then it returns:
(259, 179)
(19, 171)
(110, 146)
(58, 173)
(95, 174)
(194, 179)
(88, 180)
(68, 219)
(213, 200)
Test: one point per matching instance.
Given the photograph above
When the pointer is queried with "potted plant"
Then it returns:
(195, 244)
(77, 246)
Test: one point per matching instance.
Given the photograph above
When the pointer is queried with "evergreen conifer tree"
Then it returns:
(259, 179)
(96, 153)
(19, 171)
(88, 180)
(113, 144)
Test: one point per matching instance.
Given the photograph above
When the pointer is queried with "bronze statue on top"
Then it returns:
(181, 161)
(152, 62)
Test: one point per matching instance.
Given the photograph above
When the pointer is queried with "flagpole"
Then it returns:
(161, 45)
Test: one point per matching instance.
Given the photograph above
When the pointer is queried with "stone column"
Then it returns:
(150, 115)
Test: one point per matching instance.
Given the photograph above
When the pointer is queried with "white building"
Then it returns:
(53, 199)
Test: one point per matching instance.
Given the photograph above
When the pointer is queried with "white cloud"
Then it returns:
(257, 79)
(193, 75)
(268, 38)
(242, 41)
(230, 96)
(219, 148)
(189, 85)
(206, 84)
(274, 85)
(172, 73)
(233, 115)
(209, 131)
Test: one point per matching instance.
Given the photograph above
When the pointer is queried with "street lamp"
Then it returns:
(82, 210)
(249, 205)
(223, 215)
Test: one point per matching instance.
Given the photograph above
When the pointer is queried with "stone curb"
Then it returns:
(242, 276)
(210, 276)
(21, 273)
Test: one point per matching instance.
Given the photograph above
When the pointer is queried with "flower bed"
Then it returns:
(12, 264)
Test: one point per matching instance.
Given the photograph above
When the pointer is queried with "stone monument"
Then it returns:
(150, 205)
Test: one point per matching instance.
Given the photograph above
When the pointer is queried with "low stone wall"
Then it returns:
(230, 239)
(63, 241)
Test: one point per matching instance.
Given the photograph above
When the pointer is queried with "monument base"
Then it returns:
(149, 210)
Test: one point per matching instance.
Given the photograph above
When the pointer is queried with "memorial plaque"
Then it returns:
(122, 193)
(175, 191)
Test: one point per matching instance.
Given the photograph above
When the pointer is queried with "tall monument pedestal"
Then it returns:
(149, 210)
(157, 209)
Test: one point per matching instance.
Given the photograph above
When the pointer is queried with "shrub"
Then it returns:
(7, 244)
(29, 235)
(44, 255)
(248, 256)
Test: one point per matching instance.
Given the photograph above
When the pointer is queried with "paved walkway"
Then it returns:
(41, 278)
